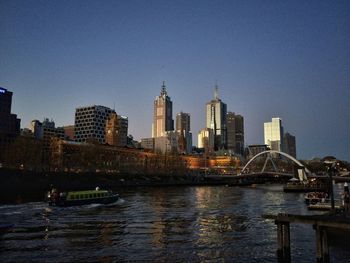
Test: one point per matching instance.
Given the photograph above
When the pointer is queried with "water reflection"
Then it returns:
(191, 224)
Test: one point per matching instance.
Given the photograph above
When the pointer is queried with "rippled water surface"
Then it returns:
(171, 224)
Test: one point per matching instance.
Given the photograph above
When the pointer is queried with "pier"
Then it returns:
(324, 225)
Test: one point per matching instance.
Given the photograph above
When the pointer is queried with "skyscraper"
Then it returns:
(239, 134)
(273, 134)
(231, 131)
(216, 120)
(90, 123)
(184, 131)
(235, 133)
(289, 144)
(162, 114)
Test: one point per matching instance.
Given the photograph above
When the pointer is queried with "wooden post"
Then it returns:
(321, 244)
(283, 242)
(286, 242)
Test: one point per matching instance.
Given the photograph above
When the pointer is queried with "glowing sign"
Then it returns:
(2, 90)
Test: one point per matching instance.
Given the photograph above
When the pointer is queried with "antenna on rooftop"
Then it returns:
(216, 92)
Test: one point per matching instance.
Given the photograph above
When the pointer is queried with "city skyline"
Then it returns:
(287, 60)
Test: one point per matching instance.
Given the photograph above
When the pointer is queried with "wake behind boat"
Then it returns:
(75, 198)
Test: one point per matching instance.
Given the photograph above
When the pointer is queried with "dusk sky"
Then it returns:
(287, 59)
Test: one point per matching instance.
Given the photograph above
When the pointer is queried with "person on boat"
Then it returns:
(54, 195)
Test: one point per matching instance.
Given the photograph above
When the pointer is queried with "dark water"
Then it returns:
(172, 224)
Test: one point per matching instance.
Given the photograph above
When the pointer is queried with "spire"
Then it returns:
(163, 91)
(216, 92)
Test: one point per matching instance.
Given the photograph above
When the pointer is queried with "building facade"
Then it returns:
(162, 114)
(183, 128)
(206, 140)
(289, 144)
(169, 143)
(9, 123)
(117, 130)
(273, 134)
(90, 123)
(216, 120)
(239, 134)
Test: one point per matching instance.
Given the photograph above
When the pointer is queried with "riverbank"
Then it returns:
(21, 183)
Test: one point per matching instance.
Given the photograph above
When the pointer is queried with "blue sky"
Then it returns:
(287, 59)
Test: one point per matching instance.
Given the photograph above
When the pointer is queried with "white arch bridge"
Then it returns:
(302, 171)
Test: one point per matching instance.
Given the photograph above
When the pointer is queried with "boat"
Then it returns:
(75, 198)
(326, 205)
(315, 197)
(306, 186)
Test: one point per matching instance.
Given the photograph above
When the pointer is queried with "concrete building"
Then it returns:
(162, 114)
(273, 134)
(90, 123)
(206, 140)
(9, 123)
(184, 131)
(123, 124)
(216, 120)
(69, 132)
(117, 130)
(168, 143)
(289, 144)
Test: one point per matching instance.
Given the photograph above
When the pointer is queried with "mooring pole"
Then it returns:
(322, 250)
(283, 242)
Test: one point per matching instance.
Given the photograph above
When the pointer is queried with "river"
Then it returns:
(168, 224)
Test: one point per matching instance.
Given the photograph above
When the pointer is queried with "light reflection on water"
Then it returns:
(175, 224)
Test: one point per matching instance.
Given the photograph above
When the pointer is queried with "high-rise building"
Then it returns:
(289, 144)
(206, 140)
(235, 133)
(273, 134)
(216, 120)
(123, 124)
(184, 131)
(9, 123)
(162, 114)
(239, 134)
(231, 131)
(90, 123)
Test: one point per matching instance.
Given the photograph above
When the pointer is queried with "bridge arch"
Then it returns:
(269, 152)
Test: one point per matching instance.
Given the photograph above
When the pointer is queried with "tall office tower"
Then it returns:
(239, 123)
(9, 123)
(231, 131)
(184, 131)
(206, 140)
(216, 120)
(289, 144)
(90, 123)
(235, 133)
(273, 134)
(162, 114)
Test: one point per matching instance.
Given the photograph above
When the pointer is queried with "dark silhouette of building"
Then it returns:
(216, 120)
(289, 144)
(9, 123)
(184, 130)
(235, 133)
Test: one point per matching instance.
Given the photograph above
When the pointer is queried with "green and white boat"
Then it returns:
(75, 198)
